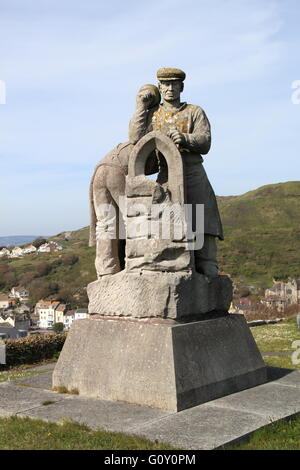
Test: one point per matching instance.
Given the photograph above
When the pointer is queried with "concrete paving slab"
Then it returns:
(15, 399)
(42, 380)
(206, 426)
(201, 427)
(272, 401)
(98, 414)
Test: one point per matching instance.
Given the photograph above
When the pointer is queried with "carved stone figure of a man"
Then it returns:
(188, 126)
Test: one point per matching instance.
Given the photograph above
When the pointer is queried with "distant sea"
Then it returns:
(15, 240)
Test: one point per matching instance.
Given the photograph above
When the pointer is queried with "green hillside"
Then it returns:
(262, 241)
(262, 233)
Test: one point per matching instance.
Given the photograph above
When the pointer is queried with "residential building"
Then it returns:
(6, 301)
(282, 294)
(29, 249)
(72, 315)
(44, 248)
(59, 313)
(20, 322)
(81, 313)
(4, 252)
(49, 247)
(46, 311)
(16, 252)
(50, 312)
(7, 331)
(19, 292)
(69, 317)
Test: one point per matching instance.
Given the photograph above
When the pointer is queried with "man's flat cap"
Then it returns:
(168, 73)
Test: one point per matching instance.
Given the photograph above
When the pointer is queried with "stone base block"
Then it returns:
(159, 363)
(159, 294)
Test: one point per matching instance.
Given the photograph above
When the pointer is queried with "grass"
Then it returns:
(276, 337)
(27, 434)
(17, 374)
(63, 389)
(281, 361)
(282, 435)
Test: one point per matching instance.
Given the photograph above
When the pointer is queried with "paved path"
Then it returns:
(206, 426)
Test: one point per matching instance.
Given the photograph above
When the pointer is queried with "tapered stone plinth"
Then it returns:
(159, 363)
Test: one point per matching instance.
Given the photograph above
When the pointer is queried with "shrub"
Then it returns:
(39, 289)
(43, 268)
(58, 327)
(69, 259)
(33, 348)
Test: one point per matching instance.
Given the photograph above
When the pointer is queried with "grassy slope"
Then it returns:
(262, 233)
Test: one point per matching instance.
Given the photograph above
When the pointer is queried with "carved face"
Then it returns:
(170, 89)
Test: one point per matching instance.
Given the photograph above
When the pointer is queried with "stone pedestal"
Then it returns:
(159, 294)
(159, 363)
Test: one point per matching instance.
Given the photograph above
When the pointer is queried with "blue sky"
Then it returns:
(72, 70)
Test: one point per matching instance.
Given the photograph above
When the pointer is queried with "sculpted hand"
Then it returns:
(176, 136)
(144, 97)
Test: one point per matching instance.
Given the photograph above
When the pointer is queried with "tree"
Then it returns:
(58, 327)
(28, 277)
(65, 295)
(39, 289)
(43, 268)
(10, 279)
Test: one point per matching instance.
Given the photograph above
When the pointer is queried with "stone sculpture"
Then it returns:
(159, 333)
(189, 128)
(106, 189)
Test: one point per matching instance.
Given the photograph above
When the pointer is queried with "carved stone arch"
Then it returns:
(142, 150)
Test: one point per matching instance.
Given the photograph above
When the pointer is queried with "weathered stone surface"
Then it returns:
(152, 294)
(160, 364)
(161, 218)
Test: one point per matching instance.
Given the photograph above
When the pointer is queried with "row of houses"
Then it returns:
(18, 252)
(52, 311)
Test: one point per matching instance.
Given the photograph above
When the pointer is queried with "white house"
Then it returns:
(44, 248)
(46, 311)
(69, 317)
(49, 247)
(6, 301)
(59, 313)
(19, 292)
(72, 315)
(81, 313)
(4, 252)
(29, 249)
(16, 252)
